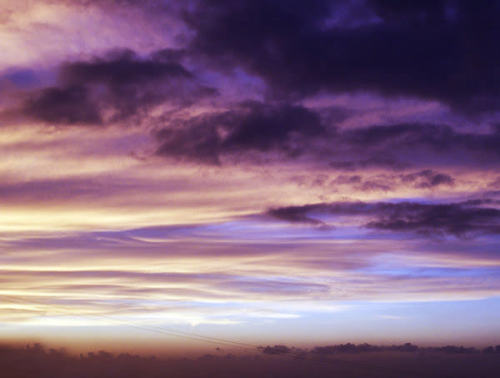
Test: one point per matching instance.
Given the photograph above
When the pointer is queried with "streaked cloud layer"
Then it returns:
(236, 164)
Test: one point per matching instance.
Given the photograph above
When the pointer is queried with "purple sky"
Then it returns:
(265, 170)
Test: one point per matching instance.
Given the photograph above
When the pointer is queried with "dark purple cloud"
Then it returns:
(464, 219)
(428, 179)
(386, 182)
(443, 50)
(252, 126)
(120, 82)
(419, 144)
(298, 132)
(68, 105)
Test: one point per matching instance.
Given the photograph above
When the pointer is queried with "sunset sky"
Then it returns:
(259, 171)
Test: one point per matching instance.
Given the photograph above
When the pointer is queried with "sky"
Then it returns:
(257, 171)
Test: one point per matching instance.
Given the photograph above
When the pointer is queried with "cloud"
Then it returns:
(458, 220)
(385, 182)
(295, 214)
(252, 126)
(443, 51)
(464, 219)
(235, 271)
(68, 105)
(36, 360)
(428, 179)
(114, 87)
(404, 145)
(275, 350)
(253, 130)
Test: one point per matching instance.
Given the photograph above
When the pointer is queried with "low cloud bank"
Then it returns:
(406, 360)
